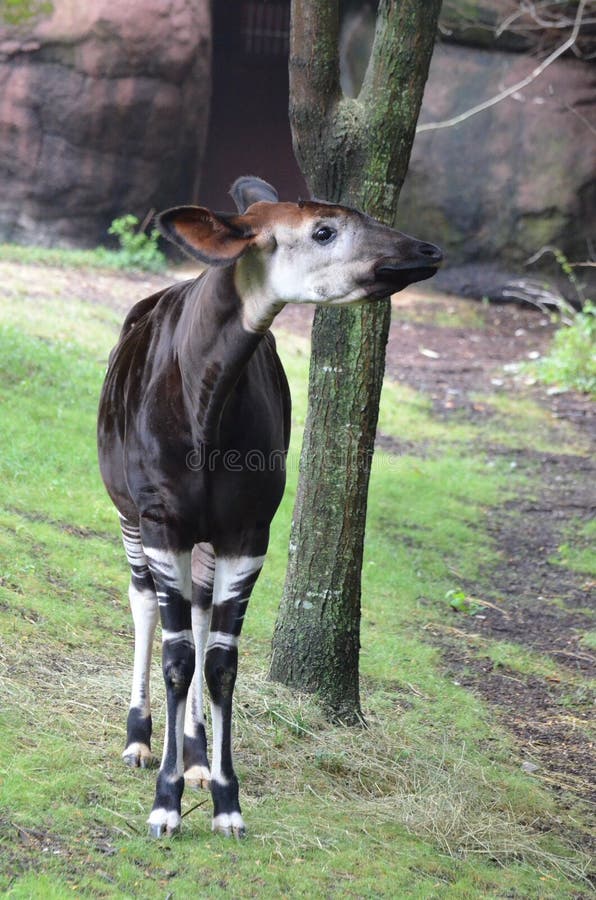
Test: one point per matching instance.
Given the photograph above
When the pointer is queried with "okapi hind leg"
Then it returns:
(145, 613)
(235, 578)
(196, 761)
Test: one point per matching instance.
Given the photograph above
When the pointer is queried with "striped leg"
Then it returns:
(171, 573)
(234, 581)
(196, 763)
(143, 604)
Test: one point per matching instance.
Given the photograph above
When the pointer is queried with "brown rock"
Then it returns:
(476, 22)
(103, 111)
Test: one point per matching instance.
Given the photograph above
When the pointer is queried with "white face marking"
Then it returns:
(304, 270)
(292, 267)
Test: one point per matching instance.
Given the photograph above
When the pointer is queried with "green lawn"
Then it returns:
(429, 801)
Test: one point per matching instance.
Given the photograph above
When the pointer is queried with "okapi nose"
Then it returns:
(432, 252)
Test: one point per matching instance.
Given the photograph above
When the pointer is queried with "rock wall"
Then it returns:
(519, 175)
(103, 110)
(495, 188)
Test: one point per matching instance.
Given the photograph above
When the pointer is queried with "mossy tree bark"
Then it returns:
(355, 152)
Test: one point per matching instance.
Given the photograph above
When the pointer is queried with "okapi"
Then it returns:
(194, 389)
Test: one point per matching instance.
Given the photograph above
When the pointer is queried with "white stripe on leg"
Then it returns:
(217, 725)
(230, 572)
(145, 613)
(195, 710)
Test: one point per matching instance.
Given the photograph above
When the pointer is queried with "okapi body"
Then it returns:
(194, 425)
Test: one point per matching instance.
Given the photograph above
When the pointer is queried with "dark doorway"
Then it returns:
(249, 132)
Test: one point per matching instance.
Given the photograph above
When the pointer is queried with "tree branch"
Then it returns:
(520, 85)
(314, 56)
(315, 91)
(390, 97)
(401, 25)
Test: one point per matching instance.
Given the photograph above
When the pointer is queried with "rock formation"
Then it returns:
(495, 188)
(515, 177)
(103, 111)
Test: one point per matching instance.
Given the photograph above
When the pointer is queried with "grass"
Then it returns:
(578, 552)
(137, 251)
(61, 257)
(428, 801)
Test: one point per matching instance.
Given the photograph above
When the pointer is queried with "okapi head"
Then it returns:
(305, 252)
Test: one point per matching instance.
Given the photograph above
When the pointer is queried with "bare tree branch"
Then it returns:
(518, 86)
(582, 118)
(540, 21)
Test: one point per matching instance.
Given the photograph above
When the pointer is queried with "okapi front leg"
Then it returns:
(196, 762)
(234, 581)
(171, 573)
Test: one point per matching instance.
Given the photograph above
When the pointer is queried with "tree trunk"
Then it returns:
(356, 152)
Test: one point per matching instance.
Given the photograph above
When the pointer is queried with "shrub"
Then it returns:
(138, 250)
(571, 362)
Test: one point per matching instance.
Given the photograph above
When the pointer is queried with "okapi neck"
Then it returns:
(213, 348)
(258, 309)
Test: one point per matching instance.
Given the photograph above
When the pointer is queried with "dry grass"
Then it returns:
(378, 775)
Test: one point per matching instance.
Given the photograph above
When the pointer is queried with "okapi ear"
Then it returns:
(211, 237)
(249, 189)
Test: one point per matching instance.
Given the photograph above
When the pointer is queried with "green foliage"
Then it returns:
(568, 270)
(460, 602)
(138, 250)
(571, 361)
(18, 12)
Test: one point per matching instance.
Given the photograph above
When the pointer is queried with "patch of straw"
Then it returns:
(374, 777)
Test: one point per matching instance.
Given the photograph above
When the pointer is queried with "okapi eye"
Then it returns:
(324, 234)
